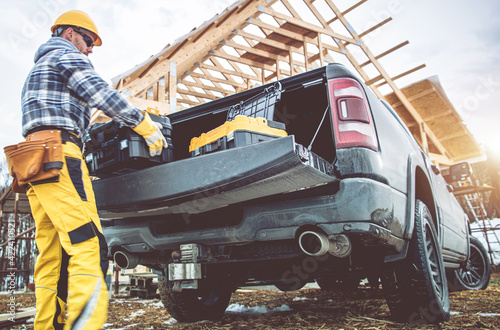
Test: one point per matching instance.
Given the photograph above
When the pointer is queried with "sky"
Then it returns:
(458, 40)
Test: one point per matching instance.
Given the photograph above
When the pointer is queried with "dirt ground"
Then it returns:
(304, 309)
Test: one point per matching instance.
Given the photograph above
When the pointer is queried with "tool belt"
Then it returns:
(36, 160)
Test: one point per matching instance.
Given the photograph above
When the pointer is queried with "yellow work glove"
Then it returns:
(150, 131)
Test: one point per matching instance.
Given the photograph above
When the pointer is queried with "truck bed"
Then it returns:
(212, 181)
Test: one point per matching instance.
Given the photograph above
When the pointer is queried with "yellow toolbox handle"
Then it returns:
(239, 123)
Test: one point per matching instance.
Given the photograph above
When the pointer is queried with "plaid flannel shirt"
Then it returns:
(62, 88)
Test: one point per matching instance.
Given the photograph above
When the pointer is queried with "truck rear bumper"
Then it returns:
(360, 207)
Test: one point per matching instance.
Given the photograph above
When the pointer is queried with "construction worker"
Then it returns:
(57, 99)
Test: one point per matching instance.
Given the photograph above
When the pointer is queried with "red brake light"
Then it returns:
(352, 120)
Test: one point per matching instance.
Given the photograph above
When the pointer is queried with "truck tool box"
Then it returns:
(113, 149)
(239, 132)
(260, 105)
(248, 122)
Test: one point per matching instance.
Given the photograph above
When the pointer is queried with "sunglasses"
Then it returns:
(88, 40)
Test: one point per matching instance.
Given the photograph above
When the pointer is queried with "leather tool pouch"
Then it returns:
(36, 161)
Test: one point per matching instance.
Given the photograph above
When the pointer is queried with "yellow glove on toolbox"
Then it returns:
(151, 132)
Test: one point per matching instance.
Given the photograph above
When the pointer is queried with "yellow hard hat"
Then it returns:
(79, 19)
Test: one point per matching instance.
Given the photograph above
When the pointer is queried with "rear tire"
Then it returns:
(286, 287)
(209, 302)
(416, 289)
(475, 275)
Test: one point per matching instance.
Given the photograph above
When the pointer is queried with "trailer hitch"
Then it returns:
(186, 273)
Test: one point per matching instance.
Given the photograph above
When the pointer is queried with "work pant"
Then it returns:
(71, 245)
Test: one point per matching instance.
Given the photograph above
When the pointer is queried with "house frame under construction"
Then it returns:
(254, 42)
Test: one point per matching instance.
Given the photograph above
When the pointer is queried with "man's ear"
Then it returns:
(68, 34)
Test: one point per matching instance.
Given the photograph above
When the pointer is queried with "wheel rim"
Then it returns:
(209, 300)
(434, 264)
(209, 295)
(475, 268)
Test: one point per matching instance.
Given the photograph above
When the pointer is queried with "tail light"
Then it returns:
(352, 119)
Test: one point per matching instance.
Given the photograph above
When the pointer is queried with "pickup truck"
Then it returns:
(348, 194)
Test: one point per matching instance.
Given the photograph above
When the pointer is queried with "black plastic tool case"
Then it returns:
(113, 149)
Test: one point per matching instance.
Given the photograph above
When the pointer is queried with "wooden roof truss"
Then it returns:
(254, 42)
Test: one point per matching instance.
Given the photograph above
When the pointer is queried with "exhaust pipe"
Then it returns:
(125, 260)
(318, 244)
(313, 243)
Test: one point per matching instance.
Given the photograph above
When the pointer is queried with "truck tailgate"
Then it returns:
(211, 181)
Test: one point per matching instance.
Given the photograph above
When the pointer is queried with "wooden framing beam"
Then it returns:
(236, 59)
(265, 41)
(441, 159)
(387, 52)
(149, 67)
(318, 56)
(218, 80)
(226, 71)
(306, 55)
(143, 104)
(265, 55)
(275, 75)
(280, 45)
(452, 136)
(161, 88)
(416, 96)
(196, 94)
(373, 28)
(290, 8)
(191, 51)
(325, 29)
(374, 80)
(425, 131)
(401, 75)
(208, 88)
(189, 102)
(279, 30)
(321, 54)
(237, 70)
(348, 10)
(254, 51)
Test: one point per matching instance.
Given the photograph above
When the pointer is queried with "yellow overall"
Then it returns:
(72, 252)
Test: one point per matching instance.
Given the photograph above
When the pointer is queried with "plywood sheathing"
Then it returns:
(254, 42)
(435, 109)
